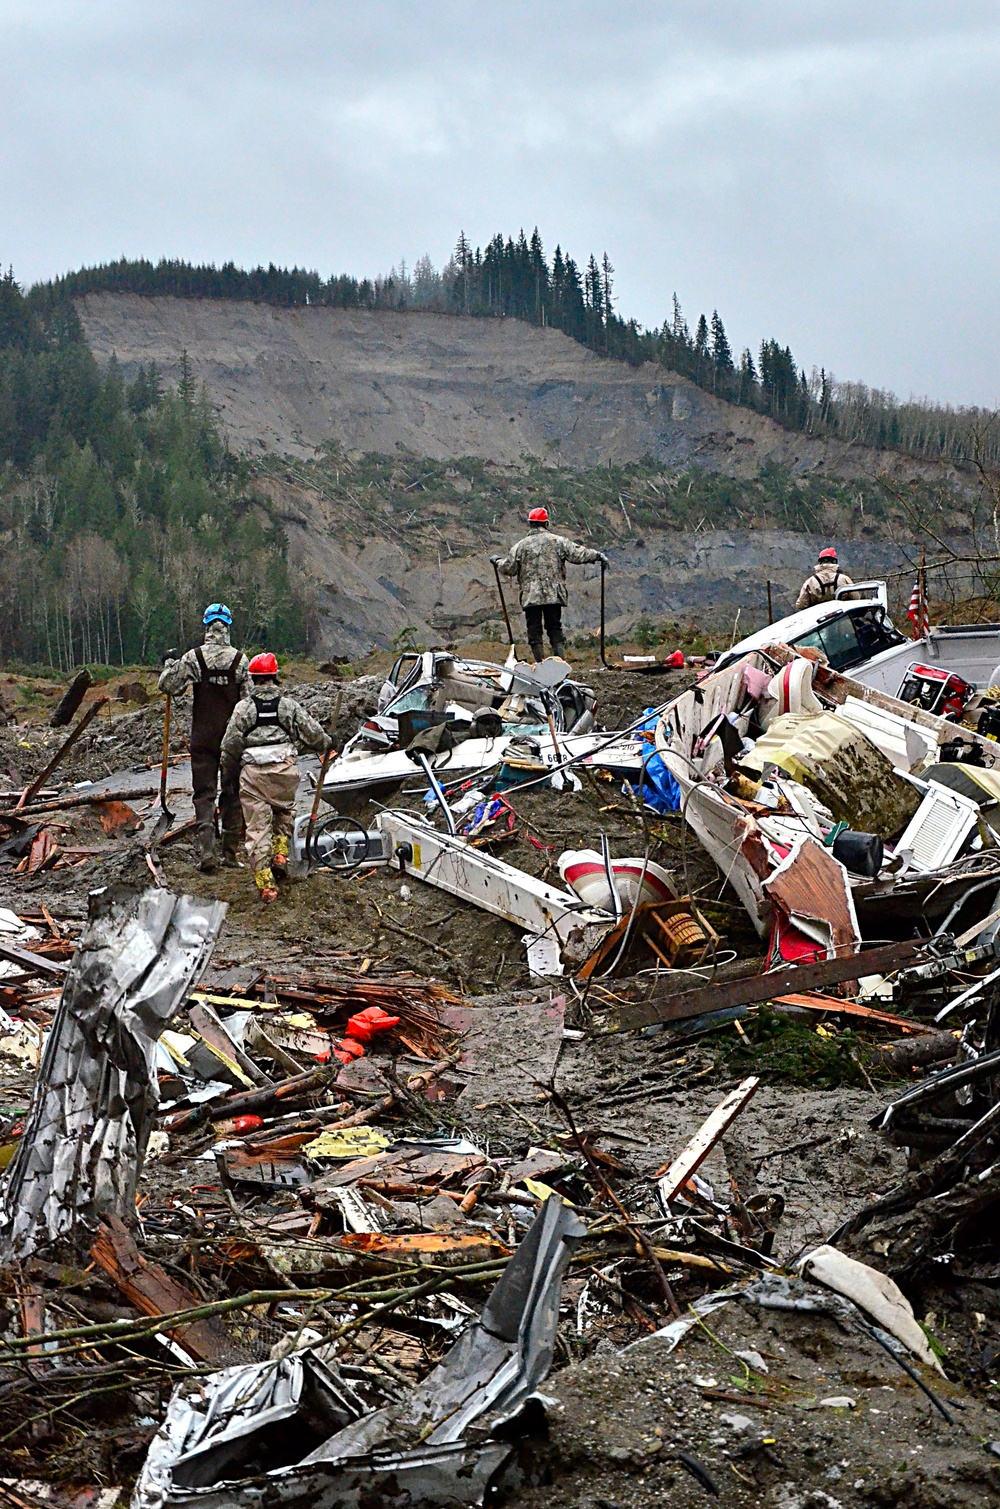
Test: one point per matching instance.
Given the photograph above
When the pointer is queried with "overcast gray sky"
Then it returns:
(822, 171)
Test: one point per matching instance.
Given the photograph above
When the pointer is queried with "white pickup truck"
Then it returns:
(856, 635)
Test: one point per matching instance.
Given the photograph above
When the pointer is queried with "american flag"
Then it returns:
(917, 611)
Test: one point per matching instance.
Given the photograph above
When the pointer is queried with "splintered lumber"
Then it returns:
(153, 1291)
(65, 709)
(855, 1009)
(64, 749)
(681, 1005)
(692, 1156)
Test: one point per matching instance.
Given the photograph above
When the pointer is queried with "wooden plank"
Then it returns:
(692, 1156)
(679, 1006)
(218, 1041)
(153, 1291)
(35, 964)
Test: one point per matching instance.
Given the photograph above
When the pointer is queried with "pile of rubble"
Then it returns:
(623, 1179)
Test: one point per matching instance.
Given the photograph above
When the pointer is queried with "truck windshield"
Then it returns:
(851, 638)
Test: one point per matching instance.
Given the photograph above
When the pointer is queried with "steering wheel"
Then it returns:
(345, 843)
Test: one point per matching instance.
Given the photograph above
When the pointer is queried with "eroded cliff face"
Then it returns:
(438, 385)
(290, 380)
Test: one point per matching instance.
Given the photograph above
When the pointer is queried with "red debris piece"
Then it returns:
(365, 1024)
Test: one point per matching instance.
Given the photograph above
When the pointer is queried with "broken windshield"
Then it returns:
(851, 638)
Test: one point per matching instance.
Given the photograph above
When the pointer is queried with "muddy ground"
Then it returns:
(626, 1406)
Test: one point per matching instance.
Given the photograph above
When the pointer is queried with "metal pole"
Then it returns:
(603, 657)
(435, 786)
(770, 605)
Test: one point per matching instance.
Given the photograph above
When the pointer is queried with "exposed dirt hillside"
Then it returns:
(289, 381)
(440, 385)
(370, 588)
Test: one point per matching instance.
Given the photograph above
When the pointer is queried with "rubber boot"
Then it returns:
(205, 843)
(279, 857)
(559, 646)
(231, 850)
(264, 881)
(537, 652)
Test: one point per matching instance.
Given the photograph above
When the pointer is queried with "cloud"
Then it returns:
(825, 174)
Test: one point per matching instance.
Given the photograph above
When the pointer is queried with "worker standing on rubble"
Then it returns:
(822, 585)
(218, 674)
(264, 733)
(538, 561)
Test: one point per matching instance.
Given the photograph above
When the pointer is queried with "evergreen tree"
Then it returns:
(722, 356)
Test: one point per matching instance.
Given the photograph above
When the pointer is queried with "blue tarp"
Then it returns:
(657, 789)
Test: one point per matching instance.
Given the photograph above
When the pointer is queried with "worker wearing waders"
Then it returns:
(218, 674)
(822, 585)
(264, 733)
(539, 564)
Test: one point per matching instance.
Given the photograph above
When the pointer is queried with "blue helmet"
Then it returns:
(217, 613)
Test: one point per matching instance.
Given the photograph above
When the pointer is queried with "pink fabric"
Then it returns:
(755, 681)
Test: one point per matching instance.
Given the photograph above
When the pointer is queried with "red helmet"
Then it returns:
(264, 665)
(538, 516)
(829, 554)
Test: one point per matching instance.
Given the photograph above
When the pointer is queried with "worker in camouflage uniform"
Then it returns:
(824, 582)
(264, 733)
(218, 674)
(538, 561)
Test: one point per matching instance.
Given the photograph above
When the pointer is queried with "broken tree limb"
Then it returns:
(689, 1160)
(65, 708)
(152, 1290)
(932, 1048)
(927, 1181)
(91, 798)
(64, 749)
(679, 1006)
(253, 1100)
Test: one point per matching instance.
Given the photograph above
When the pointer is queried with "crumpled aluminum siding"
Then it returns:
(416, 1451)
(96, 1093)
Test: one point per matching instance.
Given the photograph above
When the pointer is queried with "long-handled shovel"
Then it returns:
(503, 603)
(318, 794)
(166, 817)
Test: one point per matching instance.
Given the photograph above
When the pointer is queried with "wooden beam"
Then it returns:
(35, 964)
(679, 1006)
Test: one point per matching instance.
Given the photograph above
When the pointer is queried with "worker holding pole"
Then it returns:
(538, 562)
(258, 750)
(218, 674)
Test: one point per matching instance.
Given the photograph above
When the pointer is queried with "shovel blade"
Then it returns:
(164, 823)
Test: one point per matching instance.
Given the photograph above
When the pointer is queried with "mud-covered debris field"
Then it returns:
(607, 1112)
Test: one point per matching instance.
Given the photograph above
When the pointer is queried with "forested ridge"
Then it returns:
(515, 278)
(121, 512)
